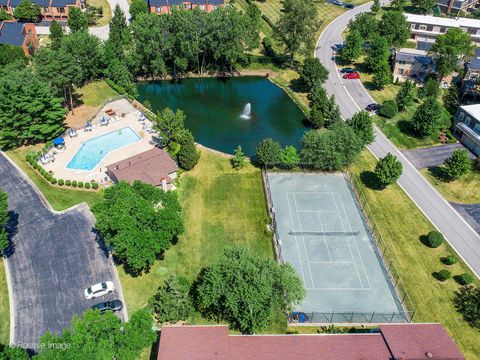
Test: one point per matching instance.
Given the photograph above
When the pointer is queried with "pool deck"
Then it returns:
(98, 173)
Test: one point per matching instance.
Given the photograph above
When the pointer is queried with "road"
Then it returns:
(102, 31)
(54, 257)
(351, 96)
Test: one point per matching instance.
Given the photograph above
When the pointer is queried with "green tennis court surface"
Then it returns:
(322, 234)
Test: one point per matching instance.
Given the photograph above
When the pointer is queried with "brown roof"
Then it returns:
(149, 167)
(420, 341)
(410, 341)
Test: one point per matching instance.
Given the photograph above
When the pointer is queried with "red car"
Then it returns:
(352, 75)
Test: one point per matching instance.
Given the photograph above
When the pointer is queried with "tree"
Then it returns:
(376, 6)
(29, 111)
(171, 302)
(10, 54)
(406, 95)
(361, 123)
(56, 35)
(119, 73)
(138, 7)
(4, 218)
(188, 155)
(27, 12)
(457, 164)
(382, 75)
(395, 28)
(140, 221)
(268, 152)
(330, 150)
(451, 100)
(353, 46)
(467, 302)
(427, 119)
(170, 124)
(430, 89)
(313, 72)
(119, 33)
(388, 109)
(4, 15)
(296, 26)
(238, 161)
(100, 336)
(388, 170)
(434, 239)
(289, 157)
(77, 20)
(399, 4)
(366, 24)
(425, 6)
(378, 53)
(324, 110)
(316, 118)
(257, 288)
(449, 49)
(14, 353)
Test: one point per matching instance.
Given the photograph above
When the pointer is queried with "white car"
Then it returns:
(99, 289)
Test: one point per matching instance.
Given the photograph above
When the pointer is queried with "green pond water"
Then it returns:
(214, 110)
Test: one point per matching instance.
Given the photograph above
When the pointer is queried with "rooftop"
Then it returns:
(406, 342)
(158, 3)
(150, 167)
(12, 33)
(413, 55)
(473, 110)
(441, 21)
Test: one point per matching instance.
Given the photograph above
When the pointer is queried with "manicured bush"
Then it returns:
(80, 184)
(389, 109)
(464, 279)
(68, 183)
(434, 239)
(61, 182)
(53, 180)
(48, 176)
(95, 185)
(443, 275)
(87, 185)
(74, 183)
(449, 260)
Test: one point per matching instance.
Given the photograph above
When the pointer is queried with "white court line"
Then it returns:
(339, 289)
(356, 246)
(346, 238)
(303, 239)
(331, 262)
(296, 242)
(324, 238)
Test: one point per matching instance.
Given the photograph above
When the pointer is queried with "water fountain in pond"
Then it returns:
(246, 111)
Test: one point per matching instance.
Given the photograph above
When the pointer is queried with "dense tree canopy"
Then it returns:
(377, 53)
(425, 6)
(140, 221)
(29, 110)
(26, 11)
(324, 110)
(245, 289)
(289, 157)
(138, 7)
(77, 19)
(13, 353)
(366, 24)
(172, 302)
(395, 28)
(268, 152)
(353, 48)
(10, 54)
(361, 124)
(56, 35)
(4, 218)
(467, 302)
(96, 336)
(313, 72)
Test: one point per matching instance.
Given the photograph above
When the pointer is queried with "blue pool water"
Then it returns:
(94, 150)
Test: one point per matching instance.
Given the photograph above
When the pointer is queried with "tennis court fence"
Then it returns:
(277, 245)
(348, 317)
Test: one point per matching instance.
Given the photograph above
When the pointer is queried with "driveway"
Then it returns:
(54, 258)
(471, 213)
(433, 156)
(352, 97)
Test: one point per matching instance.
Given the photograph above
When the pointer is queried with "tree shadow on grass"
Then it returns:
(406, 127)
(370, 180)
(439, 173)
(424, 240)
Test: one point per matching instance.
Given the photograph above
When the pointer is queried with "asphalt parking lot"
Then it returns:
(54, 258)
(433, 156)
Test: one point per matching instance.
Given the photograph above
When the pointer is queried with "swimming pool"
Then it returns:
(94, 150)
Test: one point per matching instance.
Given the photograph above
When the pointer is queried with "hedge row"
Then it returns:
(49, 177)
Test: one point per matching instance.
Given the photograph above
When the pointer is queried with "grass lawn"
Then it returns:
(402, 226)
(4, 307)
(221, 206)
(59, 198)
(464, 190)
(107, 11)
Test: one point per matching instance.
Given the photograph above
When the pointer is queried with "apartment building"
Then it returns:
(49, 9)
(457, 6)
(166, 6)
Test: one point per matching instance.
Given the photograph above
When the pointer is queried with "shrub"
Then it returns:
(449, 260)
(464, 279)
(466, 302)
(172, 301)
(388, 170)
(434, 239)
(95, 185)
(74, 183)
(457, 164)
(268, 152)
(87, 185)
(68, 183)
(268, 47)
(389, 109)
(53, 180)
(80, 184)
(48, 177)
(443, 275)
(61, 182)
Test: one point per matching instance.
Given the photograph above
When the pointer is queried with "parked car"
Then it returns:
(348, 6)
(114, 305)
(352, 75)
(347, 70)
(99, 289)
(372, 107)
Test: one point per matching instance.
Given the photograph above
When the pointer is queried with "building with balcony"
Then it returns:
(412, 64)
(457, 6)
(466, 126)
(166, 6)
(19, 34)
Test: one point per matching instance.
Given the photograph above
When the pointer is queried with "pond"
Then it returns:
(214, 109)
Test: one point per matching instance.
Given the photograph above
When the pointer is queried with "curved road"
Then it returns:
(351, 96)
(102, 31)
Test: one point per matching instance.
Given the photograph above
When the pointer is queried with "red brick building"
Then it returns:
(391, 342)
(166, 6)
(19, 34)
(49, 9)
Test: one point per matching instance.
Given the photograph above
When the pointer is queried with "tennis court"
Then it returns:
(323, 235)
